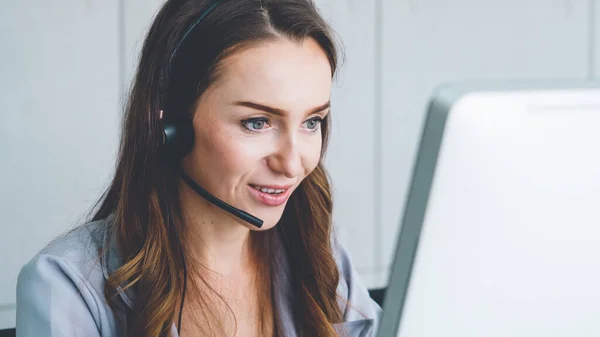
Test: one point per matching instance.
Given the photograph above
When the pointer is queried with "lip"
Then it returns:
(271, 199)
(275, 187)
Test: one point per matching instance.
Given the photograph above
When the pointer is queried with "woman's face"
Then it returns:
(257, 129)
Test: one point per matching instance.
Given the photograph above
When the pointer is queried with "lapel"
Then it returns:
(283, 297)
(111, 261)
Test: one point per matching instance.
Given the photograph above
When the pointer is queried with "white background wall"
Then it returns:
(595, 38)
(64, 69)
(59, 91)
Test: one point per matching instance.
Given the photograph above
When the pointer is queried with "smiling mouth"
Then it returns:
(274, 191)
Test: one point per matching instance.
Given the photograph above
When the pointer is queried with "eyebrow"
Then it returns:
(276, 111)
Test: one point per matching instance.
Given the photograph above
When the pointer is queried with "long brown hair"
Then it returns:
(143, 195)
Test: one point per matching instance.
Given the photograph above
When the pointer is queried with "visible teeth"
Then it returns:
(269, 190)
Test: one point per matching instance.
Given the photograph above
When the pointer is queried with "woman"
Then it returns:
(229, 111)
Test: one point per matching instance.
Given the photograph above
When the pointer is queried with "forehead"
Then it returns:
(285, 74)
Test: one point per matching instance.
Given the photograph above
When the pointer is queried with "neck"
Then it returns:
(214, 238)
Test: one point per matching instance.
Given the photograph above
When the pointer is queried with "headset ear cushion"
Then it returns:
(178, 138)
(169, 134)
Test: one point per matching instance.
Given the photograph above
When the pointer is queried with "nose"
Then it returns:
(286, 159)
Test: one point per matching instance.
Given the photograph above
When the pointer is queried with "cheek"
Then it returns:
(217, 155)
(227, 155)
(312, 154)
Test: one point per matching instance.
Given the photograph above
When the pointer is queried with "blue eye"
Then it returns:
(313, 123)
(255, 124)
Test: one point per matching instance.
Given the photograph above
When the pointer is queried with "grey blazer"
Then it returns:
(60, 292)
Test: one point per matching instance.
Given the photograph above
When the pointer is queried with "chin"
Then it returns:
(267, 224)
(269, 218)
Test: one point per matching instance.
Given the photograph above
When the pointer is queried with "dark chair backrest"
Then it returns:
(8, 333)
(378, 295)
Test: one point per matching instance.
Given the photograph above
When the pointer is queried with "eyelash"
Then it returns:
(265, 120)
(245, 122)
(317, 119)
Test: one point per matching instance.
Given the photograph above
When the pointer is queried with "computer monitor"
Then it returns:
(501, 231)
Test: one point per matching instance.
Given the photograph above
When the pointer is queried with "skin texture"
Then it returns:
(233, 152)
(238, 145)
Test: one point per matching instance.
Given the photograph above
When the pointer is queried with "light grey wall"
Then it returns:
(59, 89)
(64, 70)
(350, 156)
(595, 38)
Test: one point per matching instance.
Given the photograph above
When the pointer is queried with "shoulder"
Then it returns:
(358, 309)
(76, 252)
(64, 277)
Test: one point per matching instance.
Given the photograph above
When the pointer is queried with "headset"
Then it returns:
(177, 141)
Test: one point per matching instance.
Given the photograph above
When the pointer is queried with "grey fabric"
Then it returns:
(60, 291)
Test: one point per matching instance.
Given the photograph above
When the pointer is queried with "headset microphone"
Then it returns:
(220, 203)
(178, 130)
(178, 138)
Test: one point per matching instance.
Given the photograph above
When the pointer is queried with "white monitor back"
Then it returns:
(501, 235)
